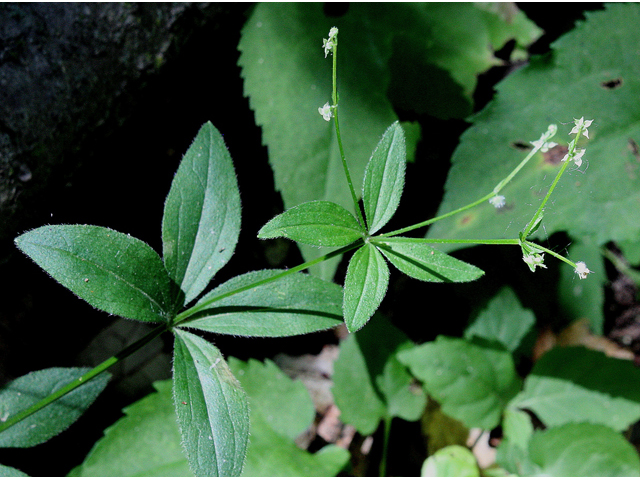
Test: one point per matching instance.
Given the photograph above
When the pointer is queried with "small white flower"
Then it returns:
(576, 157)
(328, 44)
(582, 270)
(326, 111)
(544, 146)
(498, 201)
(534, 260)
(581, 123)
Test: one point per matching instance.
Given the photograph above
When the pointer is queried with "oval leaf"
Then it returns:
(212, 408)
(292, 305)
(419, 260)
(112, 271)
(364, 286)
(201, 221)
(320, 223)
(56, 417)
(384, 178)
(451, 461)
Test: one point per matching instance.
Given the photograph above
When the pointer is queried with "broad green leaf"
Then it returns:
(201, 221)
(579, 298)
(56, 417)
(212, 408)
(582, 450)
(513, 452)
(504, 320)
(292, 305)
(472, 383)
(320, 223)
(418, 259)
(574, 384)
(451, 461)
(112, 271)
(364, 286)
(284, 404)
(369, 370)
(281, 409)
(11, 472)
(143, 443)
(599, 199)
(384, 178)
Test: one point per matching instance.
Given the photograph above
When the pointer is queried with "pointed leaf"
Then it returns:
(212, 408)
(384, 178)
(112, 271)
(201, 220)
(364, 286)
(56, 417)
(419, 260)
(292, 305)
(320, 223)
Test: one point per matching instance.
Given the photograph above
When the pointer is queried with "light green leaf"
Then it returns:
(11, 472)
(472, 383)
(504, 320)
(212, 408)
(292, 305)
(582, 450)
(384, 178)
(112, 271)
(451, 461)
(56, 417)
(513, 451)
(574, 384)
(201, 221)
(364, 286)
(418, 259)
(368, 369)
(143, 443)
(320, 223)
(599, 199)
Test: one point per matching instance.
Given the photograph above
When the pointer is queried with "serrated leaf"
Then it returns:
(472, 383)
(384, 178)
(112, 271)
(212, 408)
(293, 305)
(574, 384)
(599, 200)
(56, 417)
(201, 221)
(451, 461)
(581, 450)
(364, 286)
(504, 320)
(368, 369)
(418, 259)
(143, 443)
(320, 223)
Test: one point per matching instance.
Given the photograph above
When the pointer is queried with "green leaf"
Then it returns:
(143, 443)
(574, 384)
(472, 383)
(384, 178)
(582, 450)
(451, 461)
(292, 305)
(11, 472)
(281, 409)
(56, 417)
(513, 451)
(112, 271)
(364, 286)
(504, 320)
(599, 199)
(369, 370)
(320, 223)
(212, 408)
(418, 259)
(201, 221)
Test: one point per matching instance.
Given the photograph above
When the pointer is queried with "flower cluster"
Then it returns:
(498, 201)
(331, 43)
(576, 154)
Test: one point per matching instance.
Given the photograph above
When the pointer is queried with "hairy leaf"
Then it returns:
(112, 271)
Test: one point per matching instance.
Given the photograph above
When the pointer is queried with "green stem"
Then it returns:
(84, 378)
(385, 446)
(489, 241)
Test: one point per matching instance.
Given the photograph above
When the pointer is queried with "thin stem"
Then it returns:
(489, 241)
(84, 378)
(385, 446)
